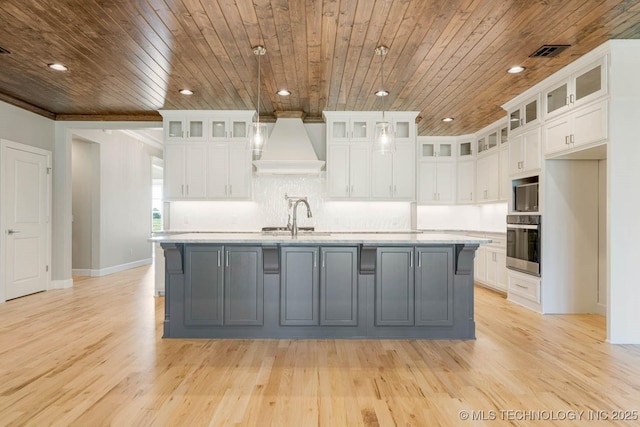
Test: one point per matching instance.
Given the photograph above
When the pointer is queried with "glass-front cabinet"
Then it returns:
(524, 115)
(581, 87)
(225, 129)
(430, 148)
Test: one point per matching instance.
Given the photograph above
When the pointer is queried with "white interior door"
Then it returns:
(25, 210)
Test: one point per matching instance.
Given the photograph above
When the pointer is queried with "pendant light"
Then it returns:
(384, 141)
(258, 132)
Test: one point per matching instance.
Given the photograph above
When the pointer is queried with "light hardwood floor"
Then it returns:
(93, 355)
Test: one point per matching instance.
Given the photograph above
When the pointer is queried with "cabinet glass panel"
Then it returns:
(239, 129)
(428, 150)
(588, 83)
(482, 144)
(557, 98)
(196, 129)
(359, 129)
(402, 129)
(531, 112)
(175, 128)
(339, 129)
(492, 139)
(465, 149)
(514, 120)
(445, 150)
(504, 136)
(218, 129)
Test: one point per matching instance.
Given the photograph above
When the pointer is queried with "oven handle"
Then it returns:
(526, 227)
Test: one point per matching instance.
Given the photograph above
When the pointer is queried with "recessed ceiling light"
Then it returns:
(283, 92)
(186, 92)
(516, 69)
(382, 92)
(58, 67)
(447, 119)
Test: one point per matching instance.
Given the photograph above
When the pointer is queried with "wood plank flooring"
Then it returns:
(93, 355)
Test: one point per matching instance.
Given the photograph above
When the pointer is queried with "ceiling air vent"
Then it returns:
(3, 50)
(549, 50)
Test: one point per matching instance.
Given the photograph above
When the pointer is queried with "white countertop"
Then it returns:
(409, 238)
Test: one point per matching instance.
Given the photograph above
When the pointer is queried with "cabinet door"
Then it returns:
(556, 135)
(404, 130)
(501, 265)
(532, 150)
(174, 129)
(359, 171)
(590, 83)
(427, 191)
(516, 155)
(174, 170)
(557, 100)
(394, 295)
(465, 181)
(491, 267)
(203, 283)
(590, 124)
(382, 178)
(217, 170)
(239, 129)
(505, 182)
(493, 177)
(243, 286)
(239, 171)
(339, 129)
(299, 296)
(339, 287)
(338, 170)
(434, 287)
(482, 178)
(196, 129)
(446, 182)
(360, 129)
(403, 172)
(196, 171)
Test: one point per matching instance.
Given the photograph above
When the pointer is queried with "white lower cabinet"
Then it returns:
(490, 263)
(524, 289)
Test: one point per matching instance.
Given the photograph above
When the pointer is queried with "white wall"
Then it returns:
(22, 126)
(623, 203)
(85, 161)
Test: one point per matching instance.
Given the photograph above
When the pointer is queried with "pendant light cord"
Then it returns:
(382, 82)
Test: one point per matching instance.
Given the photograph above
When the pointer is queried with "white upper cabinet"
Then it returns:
(524, 115)
(465, 146)
(579, 129)
(186, 129)
(185, 171)
(345, 129)
(488, 178)
(525, 152)
(430, 148)
(348, 171)
(582, 87)
(229, 128)
(392, 176)
(202, 126)
(465, 181)
(437, 169)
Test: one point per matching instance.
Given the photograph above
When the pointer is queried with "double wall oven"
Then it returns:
(523, 243)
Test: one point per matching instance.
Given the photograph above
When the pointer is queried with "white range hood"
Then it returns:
(289, 150)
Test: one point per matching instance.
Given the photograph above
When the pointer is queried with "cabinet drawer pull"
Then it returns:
(571, 98)
(218, 258)
(323, 258)
(411, 259)
(521, 286)
(572, 138)
(227, 260)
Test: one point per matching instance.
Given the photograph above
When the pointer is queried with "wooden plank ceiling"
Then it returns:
(128, 58)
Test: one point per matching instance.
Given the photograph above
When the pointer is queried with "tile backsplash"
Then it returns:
(270, 208)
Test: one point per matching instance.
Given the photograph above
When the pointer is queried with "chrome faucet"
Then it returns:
(294, 225)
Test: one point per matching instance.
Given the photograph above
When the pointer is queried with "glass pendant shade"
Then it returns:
(258, 137)
(384, 141)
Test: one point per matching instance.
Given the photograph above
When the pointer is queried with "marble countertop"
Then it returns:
(367, 239)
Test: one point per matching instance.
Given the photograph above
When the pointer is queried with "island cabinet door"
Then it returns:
(203, 303)
(299, 293)
(338, 287)
(243, 286)
(394, 287)
(434, 286)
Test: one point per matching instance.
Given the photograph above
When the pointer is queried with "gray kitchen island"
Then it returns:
(319, 285)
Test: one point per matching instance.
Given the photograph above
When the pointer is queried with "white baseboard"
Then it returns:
(600, 309)
(110, 270)
(61, 284)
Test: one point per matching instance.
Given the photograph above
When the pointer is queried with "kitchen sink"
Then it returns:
(284, 231)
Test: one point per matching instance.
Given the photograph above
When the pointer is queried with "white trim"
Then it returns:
(110, 270)
(4, 145)
(600, 309)
(61, 284)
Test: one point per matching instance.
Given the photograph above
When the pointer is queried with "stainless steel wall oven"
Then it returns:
(523, 243)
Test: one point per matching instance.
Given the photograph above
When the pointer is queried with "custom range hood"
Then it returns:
(289, 150)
